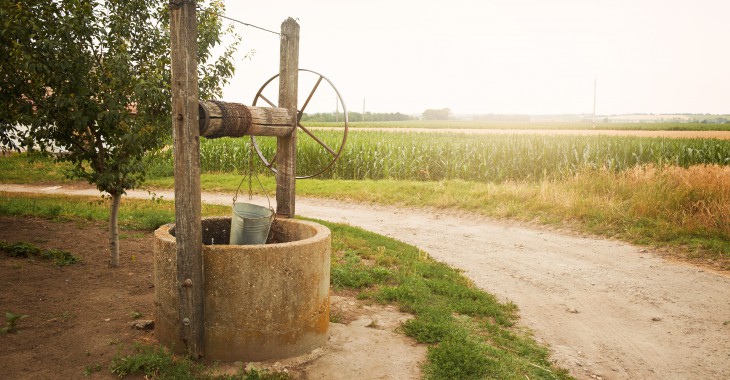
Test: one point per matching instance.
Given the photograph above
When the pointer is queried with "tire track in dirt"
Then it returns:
(607, 309)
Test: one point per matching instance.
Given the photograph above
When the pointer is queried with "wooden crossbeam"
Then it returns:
(225, 119)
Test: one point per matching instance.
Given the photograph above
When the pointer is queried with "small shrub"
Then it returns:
(11, 320)
(21, 249)
(92, 369)
(60, 258)
(27, 250)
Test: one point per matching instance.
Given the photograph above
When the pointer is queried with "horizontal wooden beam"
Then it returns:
(224, 119)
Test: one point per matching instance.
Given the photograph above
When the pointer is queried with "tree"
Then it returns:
(437, 114)
(91, 78)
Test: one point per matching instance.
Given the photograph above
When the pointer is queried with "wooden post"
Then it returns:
(188, 229)
(286, 146)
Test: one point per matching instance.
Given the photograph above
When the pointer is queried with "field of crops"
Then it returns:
(424, 156)
(528, 125)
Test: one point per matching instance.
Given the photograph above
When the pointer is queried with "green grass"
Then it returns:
(133, 214)
(471, 335)
(155, 362)
(450, 312)
(31, 168)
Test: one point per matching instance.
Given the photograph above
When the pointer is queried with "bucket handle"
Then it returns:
(250, 193)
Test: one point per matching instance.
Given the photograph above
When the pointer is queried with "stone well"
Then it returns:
(262, 302)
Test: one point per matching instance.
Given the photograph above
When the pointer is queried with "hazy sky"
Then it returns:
(499, 56)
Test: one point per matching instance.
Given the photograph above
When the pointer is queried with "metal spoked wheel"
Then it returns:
(331, 148)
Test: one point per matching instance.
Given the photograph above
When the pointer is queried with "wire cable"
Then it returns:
(247, 24)
(234, 20)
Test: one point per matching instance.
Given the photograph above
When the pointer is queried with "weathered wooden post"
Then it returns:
(184, 67)
(286, 146)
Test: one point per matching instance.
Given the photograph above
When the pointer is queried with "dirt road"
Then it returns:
(607, 309)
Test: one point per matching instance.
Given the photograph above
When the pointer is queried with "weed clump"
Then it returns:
(27, 250)
(11, 320)
(156, 362)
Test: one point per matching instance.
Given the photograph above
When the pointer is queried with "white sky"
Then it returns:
(499, 56)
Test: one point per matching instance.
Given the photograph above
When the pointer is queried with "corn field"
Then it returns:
(427, 156)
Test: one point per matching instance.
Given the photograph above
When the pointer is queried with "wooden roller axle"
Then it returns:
(225, 119)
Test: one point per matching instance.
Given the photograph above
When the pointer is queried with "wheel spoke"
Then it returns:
(267, 100)
(272, 161)
(268, 163)
(311, 93)
(320, 142)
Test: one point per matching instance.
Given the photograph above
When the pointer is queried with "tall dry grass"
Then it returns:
(646, 204)
(664, 206)
(696, 198)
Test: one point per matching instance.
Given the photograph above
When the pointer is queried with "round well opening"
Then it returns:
(216, 231)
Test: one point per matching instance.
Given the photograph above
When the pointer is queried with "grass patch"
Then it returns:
(156, 362)
(29, 251)
(471, 334)
(32, 168)
(133, 214)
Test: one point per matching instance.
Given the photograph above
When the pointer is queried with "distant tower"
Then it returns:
(594, 102)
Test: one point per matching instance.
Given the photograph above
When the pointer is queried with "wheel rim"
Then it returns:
(335, 154)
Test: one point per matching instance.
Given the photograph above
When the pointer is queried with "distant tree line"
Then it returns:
(500, 118)
(437, 114)
(356, 116)
(719, 120)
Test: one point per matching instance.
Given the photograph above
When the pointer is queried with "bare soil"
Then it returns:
(607, 309)
(80, 316)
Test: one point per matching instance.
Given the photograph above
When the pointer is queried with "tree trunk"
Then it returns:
(114, 230)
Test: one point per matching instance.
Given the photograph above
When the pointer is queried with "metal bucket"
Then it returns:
(250, 224)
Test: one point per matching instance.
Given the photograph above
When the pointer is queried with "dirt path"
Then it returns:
(607, 309)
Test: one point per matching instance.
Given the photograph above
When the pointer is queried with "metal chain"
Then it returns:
(250, 183)
(250, 172)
